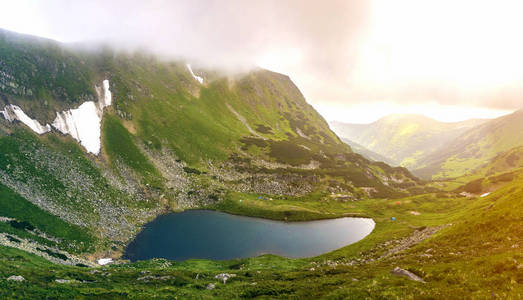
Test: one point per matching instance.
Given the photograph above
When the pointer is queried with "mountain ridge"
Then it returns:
(404, 138)
(475, 147)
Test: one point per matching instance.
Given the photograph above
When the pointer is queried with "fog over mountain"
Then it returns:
(348, 57)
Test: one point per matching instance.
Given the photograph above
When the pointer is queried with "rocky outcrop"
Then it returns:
(224, 277)
(401, 272)
(52, 254)
(405, 243)
(15, 278)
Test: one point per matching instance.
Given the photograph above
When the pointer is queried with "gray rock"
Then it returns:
(224, 277)
(401, 272)
(16, 278)
(210, 286)
(64, 281)
(147, 278)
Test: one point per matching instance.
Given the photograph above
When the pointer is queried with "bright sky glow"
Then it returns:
(354, 61)
(25, 16)
(470, 44)
(368, 113)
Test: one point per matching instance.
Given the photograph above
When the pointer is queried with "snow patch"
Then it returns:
(12, 112)
(104, 261)
(82, 123)
(107, 99)
(200, 79)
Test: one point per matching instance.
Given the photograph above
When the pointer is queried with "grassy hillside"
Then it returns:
(505, 162)
(26, 218)
(498, 171)
(403, 139)
(460, 247)
(474, 148)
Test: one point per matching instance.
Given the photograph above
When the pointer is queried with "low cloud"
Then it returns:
(339, 52)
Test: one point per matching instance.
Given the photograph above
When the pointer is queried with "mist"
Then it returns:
(340, 53)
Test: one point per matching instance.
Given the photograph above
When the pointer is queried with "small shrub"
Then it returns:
(263, 129)
(192, 171)
(21, 225)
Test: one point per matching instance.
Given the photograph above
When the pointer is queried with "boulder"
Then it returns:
(16, 278)
(65, 281)
(224, 277)
(401, 272)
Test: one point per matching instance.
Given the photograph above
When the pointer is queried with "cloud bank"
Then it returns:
(343, 53)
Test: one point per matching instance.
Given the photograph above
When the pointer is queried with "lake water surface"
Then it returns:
(217, 235)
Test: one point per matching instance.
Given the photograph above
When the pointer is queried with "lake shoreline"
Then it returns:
(193, 233)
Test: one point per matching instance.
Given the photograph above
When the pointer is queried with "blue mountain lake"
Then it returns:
(216, 235)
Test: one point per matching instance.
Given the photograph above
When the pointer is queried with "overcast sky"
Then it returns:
(355, 61)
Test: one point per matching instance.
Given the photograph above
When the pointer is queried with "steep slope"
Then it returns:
(371, 155)
(475, 148)
(404, 139)
(125, 137)
(504, 162)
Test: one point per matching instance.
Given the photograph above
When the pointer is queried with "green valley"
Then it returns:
(404, 139)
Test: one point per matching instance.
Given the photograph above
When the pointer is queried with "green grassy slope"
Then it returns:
(474, 148)
(53, 173)
(498, 171)
(475, 254)
(170, 109)
(120, 147)
(505, 162)
(27, 215)
(258, 123)
(404, 139)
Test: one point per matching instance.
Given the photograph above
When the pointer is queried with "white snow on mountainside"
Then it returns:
(200, 79)
(82, 123)
(12, 112)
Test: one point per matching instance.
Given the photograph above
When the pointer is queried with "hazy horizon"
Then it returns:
(355, 61)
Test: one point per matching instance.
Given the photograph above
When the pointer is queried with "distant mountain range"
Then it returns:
(433, 149)
(403, 139)
(474, 148)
